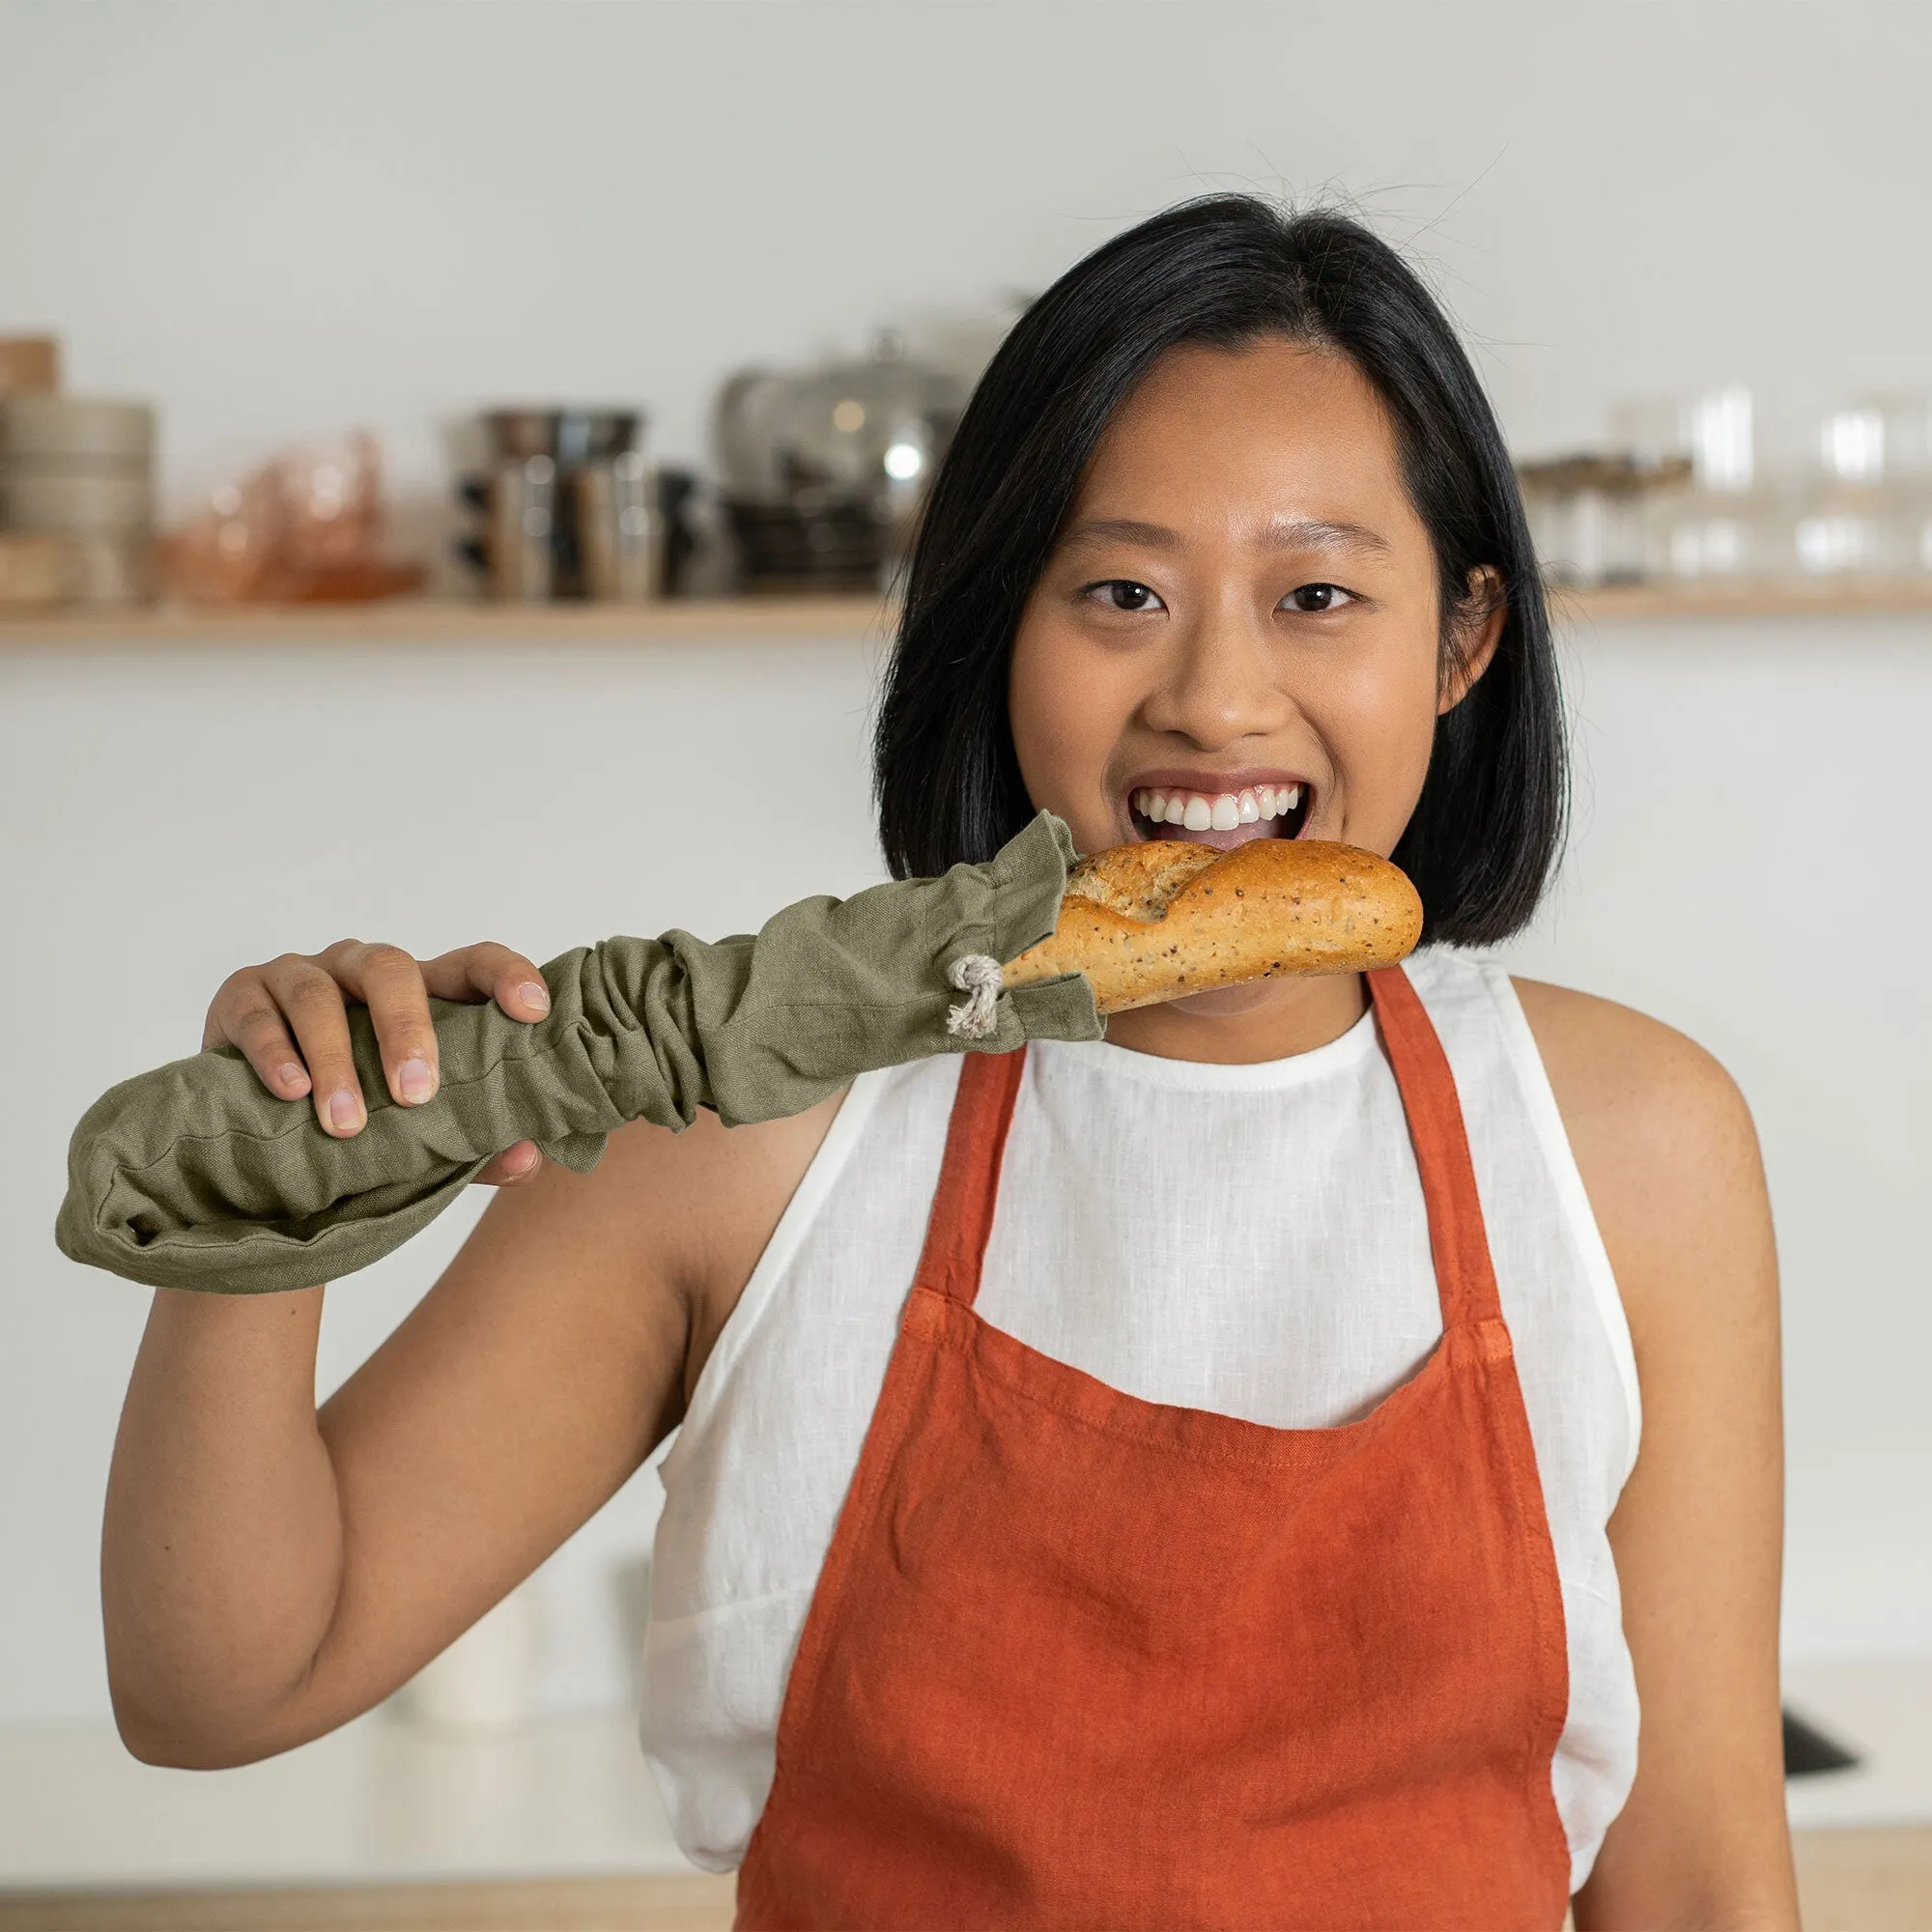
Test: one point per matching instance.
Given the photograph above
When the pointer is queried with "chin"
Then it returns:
(1227, 1002)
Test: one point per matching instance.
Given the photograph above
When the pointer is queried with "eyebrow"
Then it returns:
(1283, 534)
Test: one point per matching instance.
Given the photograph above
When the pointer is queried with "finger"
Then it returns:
(389, 982)
(243, 1015)
(514, 1164)
(488, 971)
(312, 1005)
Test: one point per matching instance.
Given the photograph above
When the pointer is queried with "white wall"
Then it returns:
(279, 220)
(158, 831)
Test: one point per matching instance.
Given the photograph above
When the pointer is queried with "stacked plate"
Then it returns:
(815, 544)
(81, 472)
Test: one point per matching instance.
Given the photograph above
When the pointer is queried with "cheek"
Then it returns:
(1382, 720)
(1067, 715)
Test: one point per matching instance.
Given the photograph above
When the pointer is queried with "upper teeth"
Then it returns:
(1222, 811)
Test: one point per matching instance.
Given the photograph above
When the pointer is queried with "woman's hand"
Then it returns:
(306, 994)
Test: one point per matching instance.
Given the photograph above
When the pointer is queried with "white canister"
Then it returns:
(33, 498)
(78, 428)
(483, 1681)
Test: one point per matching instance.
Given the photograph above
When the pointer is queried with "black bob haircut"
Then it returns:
(1226, 271)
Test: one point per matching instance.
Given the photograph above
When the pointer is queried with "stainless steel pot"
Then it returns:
(620, 529)
(523, 524)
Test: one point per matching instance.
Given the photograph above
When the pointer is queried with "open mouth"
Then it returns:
(1223, 820)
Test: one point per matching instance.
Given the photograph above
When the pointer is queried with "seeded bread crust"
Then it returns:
(1164, 919)
(1139, 881)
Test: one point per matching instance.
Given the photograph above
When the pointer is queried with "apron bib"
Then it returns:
(1077, 1659)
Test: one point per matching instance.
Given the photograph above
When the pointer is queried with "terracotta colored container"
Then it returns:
(29, 365)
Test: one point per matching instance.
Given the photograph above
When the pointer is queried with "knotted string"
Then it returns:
(981, 980)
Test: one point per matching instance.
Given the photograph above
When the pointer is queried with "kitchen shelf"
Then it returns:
(751, 619)
(427, 619)
(1644, 600)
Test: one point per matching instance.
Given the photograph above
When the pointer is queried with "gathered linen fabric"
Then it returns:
(196, 1175)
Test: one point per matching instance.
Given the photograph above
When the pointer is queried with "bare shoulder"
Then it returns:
(666, 1228)
(1663, 1138)
(1616, 1069)
(706, 1185)
(705, 1202)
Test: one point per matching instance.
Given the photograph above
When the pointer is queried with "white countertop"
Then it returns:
(380, 1801)
(1882, 1712)
(377, 1801)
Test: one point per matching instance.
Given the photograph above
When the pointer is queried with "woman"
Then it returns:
(1252, 1526)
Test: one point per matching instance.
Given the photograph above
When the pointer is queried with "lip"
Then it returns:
(1213, 784)
(1170, 778)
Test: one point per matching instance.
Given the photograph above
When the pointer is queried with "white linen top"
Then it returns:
(1249, 1239)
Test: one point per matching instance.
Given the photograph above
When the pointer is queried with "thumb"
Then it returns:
(515, 1163)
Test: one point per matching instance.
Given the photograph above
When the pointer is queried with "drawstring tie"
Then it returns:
(981, 980)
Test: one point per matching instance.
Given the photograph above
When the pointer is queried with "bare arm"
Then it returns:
(1670, 1161)
(268, 1571)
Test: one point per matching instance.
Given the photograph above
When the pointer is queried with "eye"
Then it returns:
(1122, 593)
(1317, 597)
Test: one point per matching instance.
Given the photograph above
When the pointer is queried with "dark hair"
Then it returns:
(1224, 269)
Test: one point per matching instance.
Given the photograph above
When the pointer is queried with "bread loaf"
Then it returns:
(1166, 918)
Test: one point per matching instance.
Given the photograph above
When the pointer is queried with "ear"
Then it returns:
(1479, 621)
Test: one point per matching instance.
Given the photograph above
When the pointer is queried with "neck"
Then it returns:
(1266, 1021)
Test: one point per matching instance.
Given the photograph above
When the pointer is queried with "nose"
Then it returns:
(1218, 683)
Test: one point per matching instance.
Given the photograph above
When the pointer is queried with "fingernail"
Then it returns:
(291, 1075)
(342, 1110)
(413, 1078)
(526, 1162)
(533, 993)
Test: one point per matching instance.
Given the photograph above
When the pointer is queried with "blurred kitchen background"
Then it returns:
(450, 459)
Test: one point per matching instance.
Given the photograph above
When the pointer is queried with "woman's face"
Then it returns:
(1237, 634)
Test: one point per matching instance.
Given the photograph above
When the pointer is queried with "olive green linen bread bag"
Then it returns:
(195, 1175)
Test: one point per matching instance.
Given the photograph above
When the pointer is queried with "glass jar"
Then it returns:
(1860, 510)
(1714, 519)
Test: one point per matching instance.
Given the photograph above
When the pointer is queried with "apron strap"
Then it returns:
(1465, 1279)
(969, 1177)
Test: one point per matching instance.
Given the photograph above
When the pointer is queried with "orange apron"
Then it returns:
(1078, 1660)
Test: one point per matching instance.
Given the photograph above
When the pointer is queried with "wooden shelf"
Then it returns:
(1814, 600)
(752, 619)
(423, 620)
